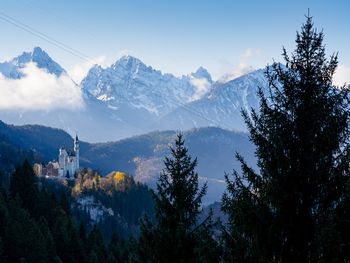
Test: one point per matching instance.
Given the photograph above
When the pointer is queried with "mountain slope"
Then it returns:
(130, 82)
(221, 107)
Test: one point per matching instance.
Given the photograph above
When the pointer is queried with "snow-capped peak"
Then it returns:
(11, 69)
(131, 65)
(128, 59)
(202, 73)
(127, 62)
(131, 82)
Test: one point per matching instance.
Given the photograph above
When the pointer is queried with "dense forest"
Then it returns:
(39, 223)
(295, 207)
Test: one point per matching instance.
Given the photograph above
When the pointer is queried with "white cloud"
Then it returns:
(201, 85)
(79, 71)
(39, 90)
(342, 75)
(243, 66)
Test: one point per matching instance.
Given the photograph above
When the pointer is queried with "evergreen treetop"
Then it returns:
(301, 134)
(177, 236)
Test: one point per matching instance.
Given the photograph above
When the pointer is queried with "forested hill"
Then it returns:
(141, 156)
(11, 154)
(51, 220)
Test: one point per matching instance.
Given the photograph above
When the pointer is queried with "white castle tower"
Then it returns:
(69, 160)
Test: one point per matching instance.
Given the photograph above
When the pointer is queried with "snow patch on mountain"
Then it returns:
(131, 82)
(220, 107)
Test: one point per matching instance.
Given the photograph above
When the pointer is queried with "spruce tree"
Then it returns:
(4, 218)
(96, 246)
(176, 234)
(2, 257)
(286, 212)
(23, 183)
(117, 249)
(24, 239)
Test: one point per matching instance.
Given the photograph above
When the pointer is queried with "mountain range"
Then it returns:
(130, 98)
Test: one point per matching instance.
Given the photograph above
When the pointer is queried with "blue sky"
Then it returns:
(174, 36)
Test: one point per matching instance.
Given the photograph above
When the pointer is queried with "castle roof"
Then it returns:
(71, 153)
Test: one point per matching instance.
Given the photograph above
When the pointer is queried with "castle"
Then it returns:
(67, 165)
(68, 161)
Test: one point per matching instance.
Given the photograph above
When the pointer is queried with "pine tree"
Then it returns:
(24, 184)
(4, 218)
(82, 234)
(287, 211)
(49, 242)
(176, 234)
(2, 257)
(96, 246)
(4, 214)
(24, 239)
(117, 249)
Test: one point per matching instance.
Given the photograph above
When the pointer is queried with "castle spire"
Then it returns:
(76, 150)
(76, 143)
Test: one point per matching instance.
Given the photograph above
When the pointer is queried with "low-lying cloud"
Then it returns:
(201, 85)
(78, 72)
(39, 90)
(243, 66)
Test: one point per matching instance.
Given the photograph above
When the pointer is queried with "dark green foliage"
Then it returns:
(24, 184)
(342, 225)
(2, 258)
(208, 249)
(38, 222)
(176, 236)
(4, 218)
(118, 250)
(23, 238)
(65, 203)
(82, 233)
(96, 246)
(41, 229)
(288, 211)
(127, 198)
(49, 240)
(111, 258)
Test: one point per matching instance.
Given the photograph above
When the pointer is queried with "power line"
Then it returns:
(43, 36)
(33, 5)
